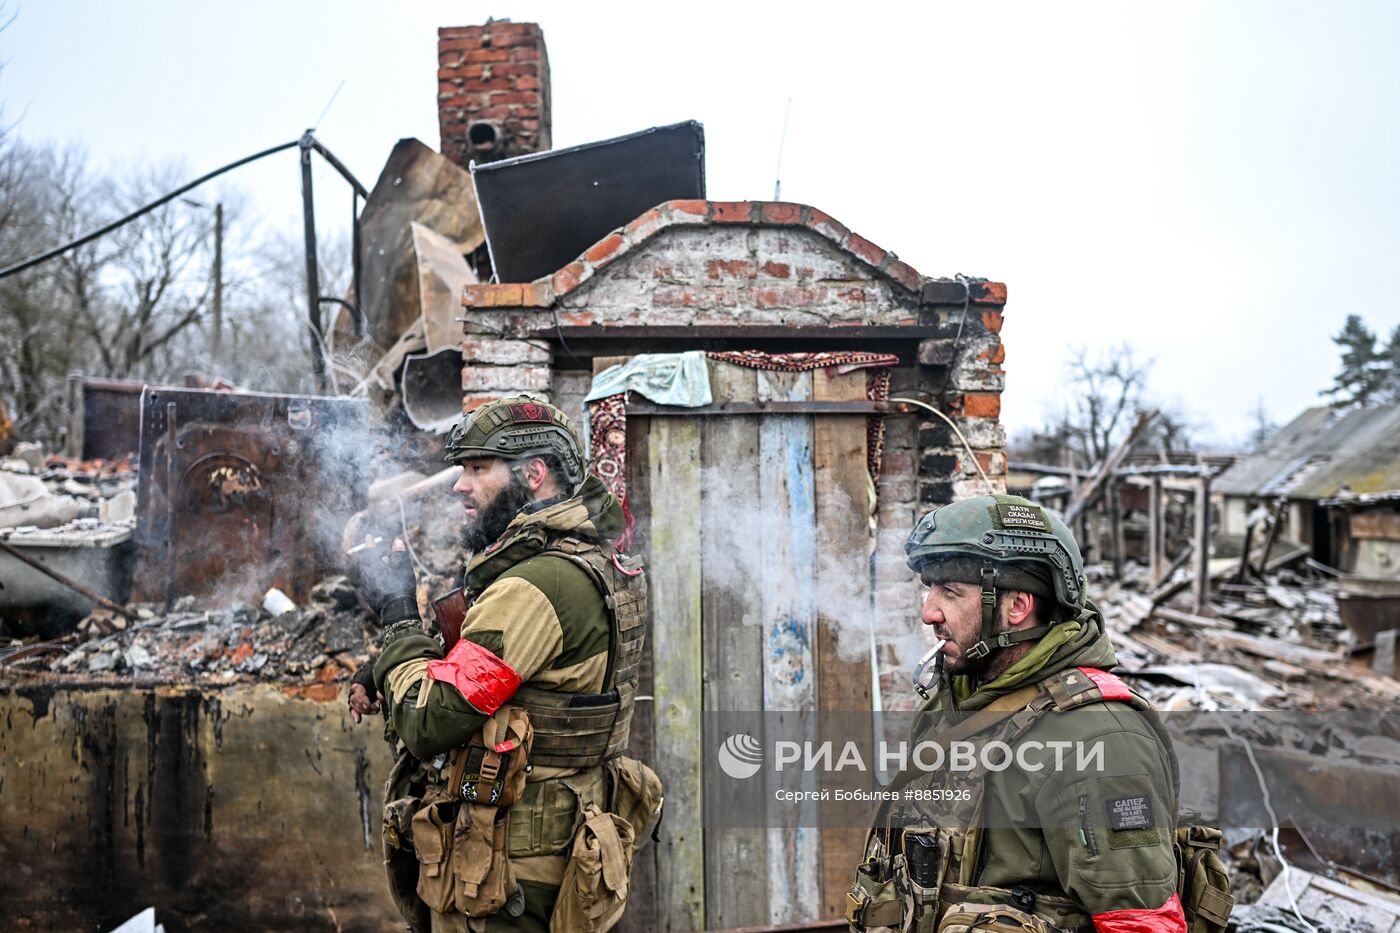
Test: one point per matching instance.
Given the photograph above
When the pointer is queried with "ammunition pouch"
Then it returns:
(1202, 883)
(459, 829)
(596, 882)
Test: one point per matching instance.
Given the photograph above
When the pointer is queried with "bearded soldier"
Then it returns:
(509, 780)
(1075, 826)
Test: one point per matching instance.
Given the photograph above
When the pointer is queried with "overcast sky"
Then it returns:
(1214, 183)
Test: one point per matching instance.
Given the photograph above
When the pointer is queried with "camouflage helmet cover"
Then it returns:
(1029, 547)
(514, 429)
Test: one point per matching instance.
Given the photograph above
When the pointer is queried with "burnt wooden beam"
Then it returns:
(626, 340)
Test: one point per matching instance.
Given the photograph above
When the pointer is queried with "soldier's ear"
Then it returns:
(536, 473)
(1020, 607)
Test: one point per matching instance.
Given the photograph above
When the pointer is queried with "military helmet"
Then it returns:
(518, 428)
(1026, 547)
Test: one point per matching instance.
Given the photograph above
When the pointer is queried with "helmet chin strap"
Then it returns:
(991, 641)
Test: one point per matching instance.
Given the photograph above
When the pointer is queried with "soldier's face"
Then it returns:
(955, 612)
(491, 496)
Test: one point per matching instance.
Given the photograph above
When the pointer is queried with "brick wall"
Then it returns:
(495, 78)
(705, 264)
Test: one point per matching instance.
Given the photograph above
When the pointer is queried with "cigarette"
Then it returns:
(364, 547)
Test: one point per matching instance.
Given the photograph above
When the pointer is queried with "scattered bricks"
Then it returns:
(935, 491)
(782, 212)
(937, 352)
(505, 379)
(604, 250)
(938, 463)
(731, 212)
(981, 405)
(992, 321)
(865, 249)
(568, 278)
(778, 270)
(828, 226)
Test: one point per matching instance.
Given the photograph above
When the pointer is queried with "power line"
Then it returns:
(139, 212)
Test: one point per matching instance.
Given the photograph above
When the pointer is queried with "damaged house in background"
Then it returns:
(775, 397)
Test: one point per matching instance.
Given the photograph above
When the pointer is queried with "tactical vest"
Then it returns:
(582, 730)
(922, 875)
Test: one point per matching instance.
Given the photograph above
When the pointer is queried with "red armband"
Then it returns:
(1110, 685)
(1169, 918)
(482, 678)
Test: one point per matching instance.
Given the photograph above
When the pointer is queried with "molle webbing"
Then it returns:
(582, 730)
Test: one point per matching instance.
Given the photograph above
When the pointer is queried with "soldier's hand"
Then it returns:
(386, 578)
(362, 699)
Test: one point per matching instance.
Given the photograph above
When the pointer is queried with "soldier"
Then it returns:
(509, 738)
(1054, 841)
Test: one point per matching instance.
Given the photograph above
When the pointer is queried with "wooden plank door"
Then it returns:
(758, 537)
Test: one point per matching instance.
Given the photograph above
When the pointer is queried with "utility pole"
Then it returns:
(218, 289)
(217, 331)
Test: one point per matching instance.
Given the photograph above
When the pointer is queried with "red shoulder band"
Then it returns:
(484, 679)
(1109, 685)
(1169, 918)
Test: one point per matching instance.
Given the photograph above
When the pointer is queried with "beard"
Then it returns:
(493, 517)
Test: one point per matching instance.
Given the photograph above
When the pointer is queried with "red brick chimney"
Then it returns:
(493, 91)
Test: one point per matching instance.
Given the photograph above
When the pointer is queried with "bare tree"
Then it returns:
(1104, 394)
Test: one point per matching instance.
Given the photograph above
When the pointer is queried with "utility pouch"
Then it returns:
(433, 837)
(874, 901)
(596, 882)
(482, 879)
(1202, 883)
(637, 794)
(924, 857)
(491, 769)
(990, 918)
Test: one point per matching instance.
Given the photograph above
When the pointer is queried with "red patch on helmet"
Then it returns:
(527, 412)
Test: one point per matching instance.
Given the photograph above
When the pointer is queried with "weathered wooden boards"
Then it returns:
(758, 533)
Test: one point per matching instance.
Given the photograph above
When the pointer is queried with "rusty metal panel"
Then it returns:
(239, 492)
(111, 418)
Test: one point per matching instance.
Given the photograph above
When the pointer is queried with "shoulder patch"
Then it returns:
(1110, 685)
(530, 413)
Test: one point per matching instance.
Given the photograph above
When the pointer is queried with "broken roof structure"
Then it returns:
(1320, 454)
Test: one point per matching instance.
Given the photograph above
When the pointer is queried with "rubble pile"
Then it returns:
(52, 492)
(324, 640)
(1271, 643)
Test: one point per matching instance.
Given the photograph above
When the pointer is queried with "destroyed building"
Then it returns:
(776, 398)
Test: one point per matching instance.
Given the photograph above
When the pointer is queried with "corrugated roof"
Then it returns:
(1320, 454)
